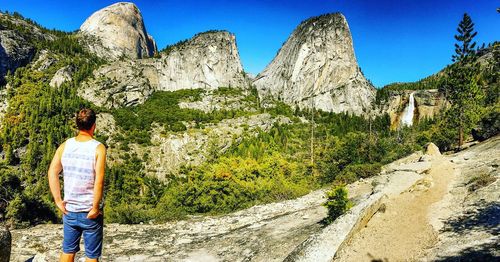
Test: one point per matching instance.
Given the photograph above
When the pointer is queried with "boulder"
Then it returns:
(432, 150)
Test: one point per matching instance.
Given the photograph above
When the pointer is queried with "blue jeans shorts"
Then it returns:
(76, 224)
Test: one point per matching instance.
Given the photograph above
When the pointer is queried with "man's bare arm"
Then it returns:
(99, 180)
(53, 174)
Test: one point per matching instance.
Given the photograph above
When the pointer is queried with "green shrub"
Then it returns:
(337, 203)
(125, 213)
(364, 170)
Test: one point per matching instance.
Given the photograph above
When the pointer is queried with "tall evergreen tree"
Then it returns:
(462, 85)
(465, 46)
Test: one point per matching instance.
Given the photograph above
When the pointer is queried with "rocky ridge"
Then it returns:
(16, 48)
(316, 67)
(118, 31)
(207, 61)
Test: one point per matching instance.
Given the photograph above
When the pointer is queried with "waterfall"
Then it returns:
(407, 117)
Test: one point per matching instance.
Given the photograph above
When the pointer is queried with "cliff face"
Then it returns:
(208, 61)
(16, 47)
(317, 66)
(118, 30)
(428, 103)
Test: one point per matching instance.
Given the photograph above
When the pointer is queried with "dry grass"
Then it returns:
(480, 181)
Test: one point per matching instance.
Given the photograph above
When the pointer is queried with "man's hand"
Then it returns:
(62, 206)
(93, 213)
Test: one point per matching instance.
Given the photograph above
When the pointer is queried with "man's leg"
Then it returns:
(67, 257)
(72, 234)
(92, 237)
(91, 260)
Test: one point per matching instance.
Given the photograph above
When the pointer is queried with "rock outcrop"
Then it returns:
(62, 75)
(5, 242)
(118, 31)
(317, 66)
(15, 49)
(119, 84)
(428, 103)
(208, 61)
(468, 217)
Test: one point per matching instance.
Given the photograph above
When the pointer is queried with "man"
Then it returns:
(82, 160)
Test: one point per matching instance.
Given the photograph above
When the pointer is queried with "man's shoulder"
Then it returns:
(100, 147)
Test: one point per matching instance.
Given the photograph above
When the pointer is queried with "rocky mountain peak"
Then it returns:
(118, 30)
(317, 67)
(208, 60)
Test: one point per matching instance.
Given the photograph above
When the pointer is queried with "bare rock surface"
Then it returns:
(317, 67)
(451, 214)
(208, 60)
(15, 50)
(468, 217)
(123, 83)
(118, 31)
(44, 60)
(62, 75)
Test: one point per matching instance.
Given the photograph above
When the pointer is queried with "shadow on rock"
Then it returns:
(478, 253)
(485, 219)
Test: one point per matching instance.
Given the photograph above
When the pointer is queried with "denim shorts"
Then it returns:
(76, 224)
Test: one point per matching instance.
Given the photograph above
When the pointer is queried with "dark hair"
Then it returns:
(85, 119)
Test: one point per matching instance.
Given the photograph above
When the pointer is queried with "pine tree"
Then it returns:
(465, 46)
(462, 85)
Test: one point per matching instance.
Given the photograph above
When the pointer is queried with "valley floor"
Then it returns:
(429, 214)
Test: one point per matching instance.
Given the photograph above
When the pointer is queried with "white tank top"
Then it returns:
(78, 161)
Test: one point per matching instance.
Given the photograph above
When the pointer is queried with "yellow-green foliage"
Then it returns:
(337, 203)
(234, 183)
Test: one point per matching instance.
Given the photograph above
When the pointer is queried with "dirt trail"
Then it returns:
(402, 232)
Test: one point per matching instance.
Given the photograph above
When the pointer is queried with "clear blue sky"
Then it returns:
(394, 40)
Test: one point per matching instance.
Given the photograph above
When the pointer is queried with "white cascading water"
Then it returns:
(407, 118)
